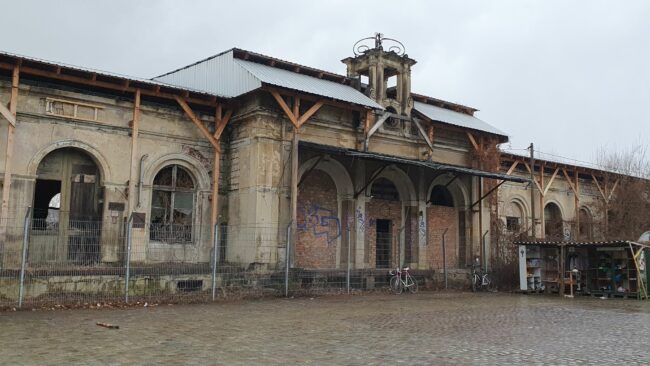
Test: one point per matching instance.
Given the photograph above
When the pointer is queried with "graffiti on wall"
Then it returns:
(320, 221)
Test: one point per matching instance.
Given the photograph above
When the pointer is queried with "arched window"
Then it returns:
(585, 224)
(514, 217)
(172, 206)
(553, 224)
(440, 196)
(384, 189)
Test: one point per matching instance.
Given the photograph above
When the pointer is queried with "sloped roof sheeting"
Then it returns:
(104, 73)
(229, 77)
(217, 75)
(439, 114)
(308, 84)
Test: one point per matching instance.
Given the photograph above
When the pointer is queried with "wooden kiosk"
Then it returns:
(609, 269)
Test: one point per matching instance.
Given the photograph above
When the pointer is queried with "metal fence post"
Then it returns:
(215, 247)
(127, 275)
(347, 280)
(287, 262)
(444, 256)
(23, 264)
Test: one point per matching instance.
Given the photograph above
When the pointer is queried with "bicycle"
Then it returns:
(401, 279)
(481, 280)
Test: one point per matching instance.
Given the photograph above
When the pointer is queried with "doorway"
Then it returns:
(67, 209)
(383, 244)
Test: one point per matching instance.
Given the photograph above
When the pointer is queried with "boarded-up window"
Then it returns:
(172, 206)
(72, 109)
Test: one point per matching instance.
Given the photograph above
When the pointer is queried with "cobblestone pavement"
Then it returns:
(421, 329)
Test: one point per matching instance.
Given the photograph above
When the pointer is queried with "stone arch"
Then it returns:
(454, 220)
(335, 170)
(553, 220)
(586, 221)
(193, 165)
(93, 153)
(402, 181)
(457, 189)
(515, 208)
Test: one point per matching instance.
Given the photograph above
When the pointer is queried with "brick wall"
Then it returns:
(378, 209)
(319, 227)
(439, 218)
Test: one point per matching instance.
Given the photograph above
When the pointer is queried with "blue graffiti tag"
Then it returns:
(319, 221)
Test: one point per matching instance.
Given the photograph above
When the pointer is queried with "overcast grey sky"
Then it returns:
(571, 76)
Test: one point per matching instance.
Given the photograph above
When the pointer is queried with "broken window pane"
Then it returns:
(172, 206)
(164, 177)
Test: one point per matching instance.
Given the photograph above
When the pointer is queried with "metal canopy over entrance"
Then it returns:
(424, 164)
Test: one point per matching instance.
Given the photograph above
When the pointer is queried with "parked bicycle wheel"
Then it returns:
(396, 285)
(490, 284)
(476, 282)
(412, 285)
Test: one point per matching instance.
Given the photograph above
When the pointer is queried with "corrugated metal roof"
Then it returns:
(106, 73)
(436, 113)
(424, 164)
(217, 75)
(308, 84)
(227, 76)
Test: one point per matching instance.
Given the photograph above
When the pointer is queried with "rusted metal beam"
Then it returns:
(487, 194)
(304, 176)
(369, 182)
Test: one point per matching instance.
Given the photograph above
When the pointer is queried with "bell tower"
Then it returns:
(388, 72)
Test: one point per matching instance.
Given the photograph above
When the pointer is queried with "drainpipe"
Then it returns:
(142, 159)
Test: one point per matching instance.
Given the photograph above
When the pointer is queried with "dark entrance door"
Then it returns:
(383, 245)
(85, 225)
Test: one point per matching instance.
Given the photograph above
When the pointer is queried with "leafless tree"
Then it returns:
(626, 215)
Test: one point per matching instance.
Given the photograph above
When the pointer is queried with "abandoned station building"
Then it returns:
(354, 169)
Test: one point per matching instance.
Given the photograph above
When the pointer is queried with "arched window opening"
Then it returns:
(440, 196)
(384, 189)
(172, 206)
(553, 224)
(586, 224)
(514, 217)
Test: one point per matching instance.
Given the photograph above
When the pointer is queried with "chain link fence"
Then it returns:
(88, 262)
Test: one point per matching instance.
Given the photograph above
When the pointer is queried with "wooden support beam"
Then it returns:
(534, 180)
(296, 109)
(11, 131)
(216, 172)
(287, 111)
(310, 112)
(221, 125)
(370, 120)
(602, 193)
(6, 113)
(473, 141)
(568, 179)
(609, 196)
(423, 133)
(512, 167)
(550, 182)
(197, 122)
(135, 130)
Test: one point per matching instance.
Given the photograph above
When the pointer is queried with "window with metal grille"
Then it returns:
(172, 206)
(512, 224)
